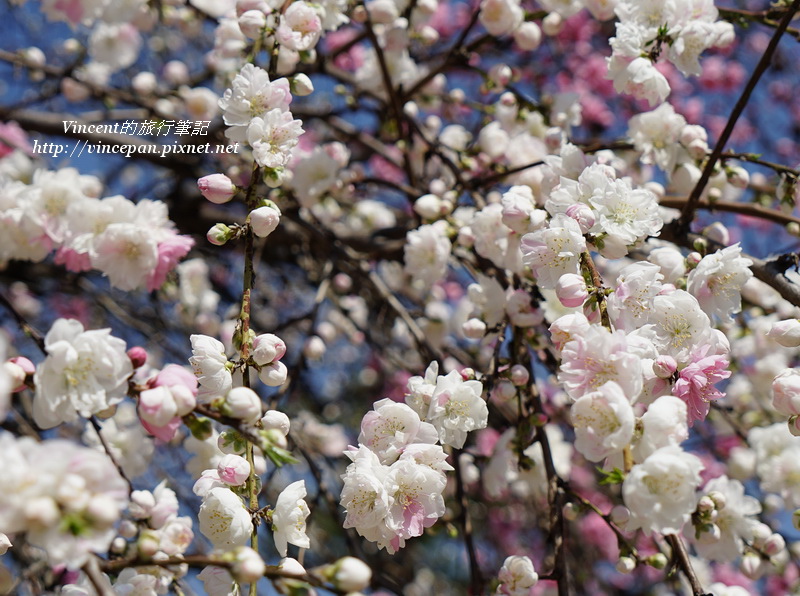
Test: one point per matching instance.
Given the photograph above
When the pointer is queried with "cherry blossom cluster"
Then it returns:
(681, 29)
(393, 489)
(134, 244)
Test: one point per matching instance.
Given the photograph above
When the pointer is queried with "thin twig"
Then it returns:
(687, 215)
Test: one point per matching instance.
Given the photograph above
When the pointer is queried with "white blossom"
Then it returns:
(660, 492)
(289, 518)
(85, 372)
(224, 520)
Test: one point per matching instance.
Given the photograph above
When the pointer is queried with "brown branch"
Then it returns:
(748, 209)
(687, 214)
(682, 559)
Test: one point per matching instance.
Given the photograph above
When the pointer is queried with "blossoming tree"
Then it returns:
(486, 297)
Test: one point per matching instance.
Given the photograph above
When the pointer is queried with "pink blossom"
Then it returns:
(12, 137)
(695, 385)
(170, 251)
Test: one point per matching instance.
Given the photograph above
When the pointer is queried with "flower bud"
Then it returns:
(17, 375)
(664, 366)
(137, 356)
(718, 233)
(794, 425)
(148, 543)
(571, 290)
(583, 215)
(786, 392)
(127, 529)
(474, 328)
(500, 75)
(248, 567)
(267, 348)
(528, 36)
(519, 375)
(290, 566)
(738, 177)
(774, 545)
(264, 220)
(217, 188)
(219, 234)
(5, 543)
(720, 500)
(428, 206)
(348, 574)
(314, 348)
(144, 83)
(657, 561)
(620, 515)
(710, 534)
(233, 469)
(244, 403)
(504, 390)
(176, 72)
(705, 504)
(626, 565)
(301, 85)
(786, 333)
(570, 512)
(275, 420)
(252, 23)
(273, 375)
(552, 23)
(752, 566)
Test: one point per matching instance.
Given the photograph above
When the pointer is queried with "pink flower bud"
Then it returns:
(217, 188)
(233, 469)
(273, 375)
(664, 367)
(571, 290)
(774, 545)
(519, 375)
(264, 221)
(17, 374)
(185, 399)
(156, 406)
(244, 403)
(27, 367)
(138, 356)
(219, 234)
(267, 348)
(583, 215)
